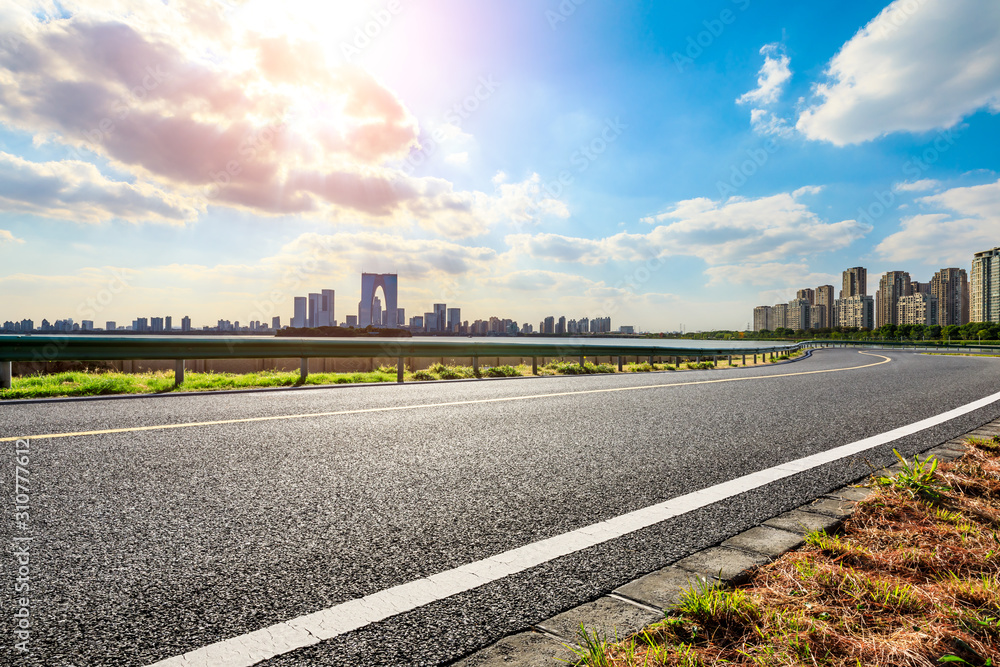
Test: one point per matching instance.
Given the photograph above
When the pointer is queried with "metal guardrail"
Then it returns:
(179, 349)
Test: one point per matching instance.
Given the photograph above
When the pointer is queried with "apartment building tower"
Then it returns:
(917, 308)
(984, 290)
(891, 288)
(951, 289)
(855, 282)
(826, 300)
(762, 318)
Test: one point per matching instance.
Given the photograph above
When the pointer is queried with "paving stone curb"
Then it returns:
(639, 603)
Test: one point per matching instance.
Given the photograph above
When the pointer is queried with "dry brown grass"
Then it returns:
(908, 582)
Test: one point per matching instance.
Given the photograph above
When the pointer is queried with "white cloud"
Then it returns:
(771, 78)
(8, 237)
(794, 275)
(77, 191)
(917, 186)
(938, 239)
(742, 240)
(917, 66)
(767, 123)
(457, 158)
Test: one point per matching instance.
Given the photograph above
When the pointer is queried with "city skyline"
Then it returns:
(653, 162)
(952, 296)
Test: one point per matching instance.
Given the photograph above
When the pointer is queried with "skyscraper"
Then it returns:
(441, 314)
(984, 292)
(825, 299)
(324, 316)
(168, 323)
(762, 318)
(807, 294)
(855, 282)
(454, 319)
(312, 314)
(797, 316)
(917, 308)
(892, 286)
(856, 312)
(779, 316)
(185, 323)
(951, 288)
(299, 312)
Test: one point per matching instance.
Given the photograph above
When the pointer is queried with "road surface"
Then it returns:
(162, 525)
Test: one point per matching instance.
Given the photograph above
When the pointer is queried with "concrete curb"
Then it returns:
(639, 603)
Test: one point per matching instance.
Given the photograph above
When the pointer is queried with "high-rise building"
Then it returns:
(312, 314)
(817, 317)
(583, 325)
(891, 288)
(87, 325)
(377, 311)
(856, 312)
(454, 319)
(917, 308)
(561, 325)
(825, 299)
(185, 323)
(797, 316)
(110, 325)
(168, 323)
(400, 317)
(156, 324)
(808, 294)
(549, 325)
(299, 312)
(779, 316)
(352, 321)
(430, 322)
(275, 322)
(917, 287)
(984, 290)
(324, 314)
(951, 288)
(417, 322)
(762, 318)
(855, 282)
(441, 315)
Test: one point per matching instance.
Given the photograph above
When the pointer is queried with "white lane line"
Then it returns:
(310, 629)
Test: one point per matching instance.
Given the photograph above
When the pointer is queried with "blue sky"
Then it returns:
(658, 162)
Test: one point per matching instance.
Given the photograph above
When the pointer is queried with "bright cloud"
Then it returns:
(74, 190)
(8, 237)
(917, 186)
(771, 78)
(742, 240)
(917, 66)
(951, 238)
(190, 103)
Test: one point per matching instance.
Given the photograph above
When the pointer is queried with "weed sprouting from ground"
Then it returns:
(913, 580)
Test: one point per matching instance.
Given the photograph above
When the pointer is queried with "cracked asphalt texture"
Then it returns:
(150, 544)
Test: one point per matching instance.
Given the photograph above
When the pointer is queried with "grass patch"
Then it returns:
(914, 580)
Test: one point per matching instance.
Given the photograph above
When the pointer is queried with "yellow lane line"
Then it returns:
(248, 420)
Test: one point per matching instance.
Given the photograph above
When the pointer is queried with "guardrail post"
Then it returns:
(303, 369)
(581, 361)
(650, 360)
(399, 369)
(744, 360)
(620, 369)
(755, 359)
(6, 373)
(475, 366)
(534, 365)
(178, 372)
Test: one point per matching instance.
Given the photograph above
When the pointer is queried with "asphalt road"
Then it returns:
(151, 543)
